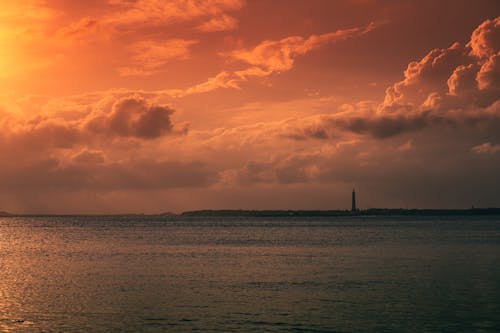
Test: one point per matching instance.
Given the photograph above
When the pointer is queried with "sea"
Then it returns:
(242, 274)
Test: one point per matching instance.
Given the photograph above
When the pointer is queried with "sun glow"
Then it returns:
(7, 39)
(22, 29)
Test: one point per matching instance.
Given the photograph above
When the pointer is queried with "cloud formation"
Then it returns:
(158, 12)
(456, 86)
(148, 57)
(485, 39)
(279, 55)
(93, 173)
(132, 117)
(248, 135)
(221, 22)
(270, 57)
(132, 16)
(486, 148)
(458, 76)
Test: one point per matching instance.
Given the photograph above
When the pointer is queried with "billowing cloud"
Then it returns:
(455, 86)
(132, 117)
(305, 137)
(485, 39)
(463, 80)
(456, 77)
(488, 77)
(426, 76)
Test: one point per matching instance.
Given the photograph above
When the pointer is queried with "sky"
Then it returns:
(151, 106)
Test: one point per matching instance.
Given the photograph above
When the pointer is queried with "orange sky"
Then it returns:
(128, 106)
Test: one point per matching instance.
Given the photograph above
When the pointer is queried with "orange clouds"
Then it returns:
(456, 77)
(158, 12)
(488, 76)
(425, 76)
(462, 80)
(277, 56)
(132, 117)
(126, 17)
(458, 86)
(221, 22)
(149, 56)
(131, 38)
(269, 57)
(485, 39)
(486, 148)
(109, 119)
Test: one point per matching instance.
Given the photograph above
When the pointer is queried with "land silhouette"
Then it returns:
(357, 212)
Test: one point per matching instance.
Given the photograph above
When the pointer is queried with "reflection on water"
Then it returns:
(145, 274)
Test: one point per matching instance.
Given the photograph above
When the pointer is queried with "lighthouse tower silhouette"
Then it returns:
(353, 206)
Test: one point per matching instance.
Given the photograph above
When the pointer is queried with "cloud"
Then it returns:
(86, 148)
(378, 126)
(463, 80)
(486, 148)
(148, 57)
(457, 86)
(447, 87)
(485, 39)
(100, 123)
(159, 12)
(334, 126)
(269, 57)
(132, 117)
(279, 55)
(324, 163)
(488, 77)
(219, 23)
(88, 156)
(423, 77)
(221, 80)
(455, 77)
(382, 126)
(95, 175)
(113, 143)
(290, 169)
(132, 17)
(82, 30)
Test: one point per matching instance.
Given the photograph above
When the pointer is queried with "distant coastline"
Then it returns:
(365, 212)
(296, 213)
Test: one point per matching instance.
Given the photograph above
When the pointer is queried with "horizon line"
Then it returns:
(341, 211)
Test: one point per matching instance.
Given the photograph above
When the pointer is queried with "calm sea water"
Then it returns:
(147, 274)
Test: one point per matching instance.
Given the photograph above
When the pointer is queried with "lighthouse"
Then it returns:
(353, 207)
